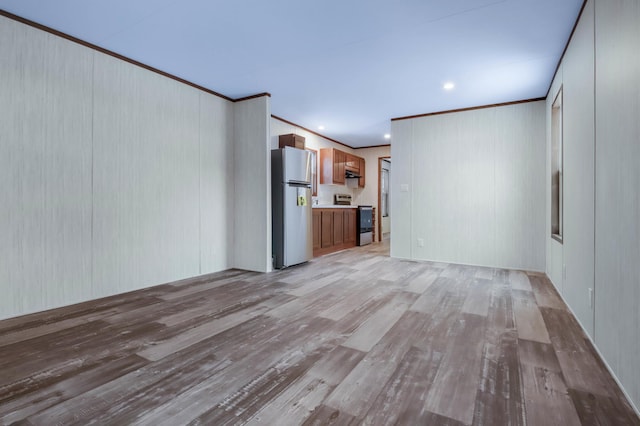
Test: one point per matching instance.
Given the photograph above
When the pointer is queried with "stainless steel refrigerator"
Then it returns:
(291, 206)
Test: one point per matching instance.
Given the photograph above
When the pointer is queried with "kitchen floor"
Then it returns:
(350, 337)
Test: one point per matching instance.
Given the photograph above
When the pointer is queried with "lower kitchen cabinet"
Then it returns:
(317, 229)
(326, 229)
(349, 226)
(333, 230)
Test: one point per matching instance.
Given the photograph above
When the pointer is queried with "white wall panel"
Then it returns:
(579, 169)
(146, 178)
(476, 185)
(252, 180)
(216, 183)
(45, 170)
(400, 200)
(520, 185)
(617, 255)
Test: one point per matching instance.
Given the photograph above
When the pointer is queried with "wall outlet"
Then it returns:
(420, 242)
(590, 298)
(404, 187)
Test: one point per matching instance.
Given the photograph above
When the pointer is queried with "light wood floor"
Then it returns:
(349, 338)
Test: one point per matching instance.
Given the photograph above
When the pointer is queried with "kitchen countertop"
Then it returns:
(332, 206)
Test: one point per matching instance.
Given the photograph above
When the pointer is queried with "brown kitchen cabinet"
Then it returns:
(333, 229)
(349, 226)
(317, 228)
(362, 170)
(338, 230)
(334, 163)
(326, 229)
(292, 140)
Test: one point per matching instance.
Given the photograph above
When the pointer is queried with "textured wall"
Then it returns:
(579, 169)
(617, 254)
(475, 186)
(252, 185)
(112, 177)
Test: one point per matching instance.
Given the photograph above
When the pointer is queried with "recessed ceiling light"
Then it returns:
(448, 86)
(387, 136)
(320, 127)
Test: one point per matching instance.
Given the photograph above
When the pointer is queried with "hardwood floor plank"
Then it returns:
(200, 333)
(297, 402)
(358, 391)
(455, 387)
(29, 401)
(601, 410)
(418, 283)
(500, 399)
(546, 398)
(402, 399)
(479, 297)
(370, 333)
(356, 295)
(294, 405)
(327, 416)
(538, 354)
(576, 355)
(529, 320)
(519, 281)
(546, 295)
(484, 273)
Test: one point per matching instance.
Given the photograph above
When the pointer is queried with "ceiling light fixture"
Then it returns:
(448, 86)
(387, 136)
(320, 127)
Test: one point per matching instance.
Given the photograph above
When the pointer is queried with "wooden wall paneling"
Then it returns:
(617, 216)
(252, 185)
(45, 169)
(519, 183)
(146, 178)
(579, 168)
(216, 183)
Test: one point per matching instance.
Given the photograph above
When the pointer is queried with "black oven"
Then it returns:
(365, 225)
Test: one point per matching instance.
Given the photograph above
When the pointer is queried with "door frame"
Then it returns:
(379, 225)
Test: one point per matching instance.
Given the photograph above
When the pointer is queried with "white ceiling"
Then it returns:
(349, 65)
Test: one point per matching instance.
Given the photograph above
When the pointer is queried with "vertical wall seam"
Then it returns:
(200, 184)
(411, 189)
(595, 192)
(92, 281)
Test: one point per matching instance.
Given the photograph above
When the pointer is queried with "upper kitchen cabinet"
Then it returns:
(332, 162)
(352, 163)
(292, 140)
(335, 163)
(362, 170)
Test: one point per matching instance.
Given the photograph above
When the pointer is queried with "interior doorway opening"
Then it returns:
(384, 205)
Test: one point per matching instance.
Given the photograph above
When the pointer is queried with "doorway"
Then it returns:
(384, 207)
